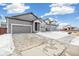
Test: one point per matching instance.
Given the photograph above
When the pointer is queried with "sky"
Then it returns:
(64, 13)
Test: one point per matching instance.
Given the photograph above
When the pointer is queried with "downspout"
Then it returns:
(7, 23)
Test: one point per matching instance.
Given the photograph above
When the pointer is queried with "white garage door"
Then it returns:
(20, 28)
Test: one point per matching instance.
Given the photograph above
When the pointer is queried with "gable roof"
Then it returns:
(25, 14)
(16, 17)
(42, 20)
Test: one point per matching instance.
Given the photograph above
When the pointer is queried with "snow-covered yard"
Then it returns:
(6, 44)
(53, 34)
(55, 43)
(75, 41)
(61, 36)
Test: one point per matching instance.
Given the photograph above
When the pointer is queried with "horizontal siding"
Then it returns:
(13, 21)
(29, 17)
(19, 22)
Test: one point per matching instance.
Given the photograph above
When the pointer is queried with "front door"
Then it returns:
(37, 26)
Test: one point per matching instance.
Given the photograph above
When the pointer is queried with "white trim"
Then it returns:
(37, 21)
(20, 25)
(7, 20)
(34, 26)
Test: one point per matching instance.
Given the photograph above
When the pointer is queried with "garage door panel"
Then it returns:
(21, 29)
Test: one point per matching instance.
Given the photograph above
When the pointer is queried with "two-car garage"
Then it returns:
(20, 28)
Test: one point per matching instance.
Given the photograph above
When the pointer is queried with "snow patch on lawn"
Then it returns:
(59, 34)
(54, 34)
(75, 41)
(6, 44)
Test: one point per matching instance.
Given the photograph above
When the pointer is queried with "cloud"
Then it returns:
(3, 4)
(16, 8)
(53, 19)
(63, 24)
(60, 9)
(46, 14)
(77, 17)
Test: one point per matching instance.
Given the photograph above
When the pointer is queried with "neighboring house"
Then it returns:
(43, 25)
(24, 23)
(51, 25)
(67, 28)
(76, 28)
